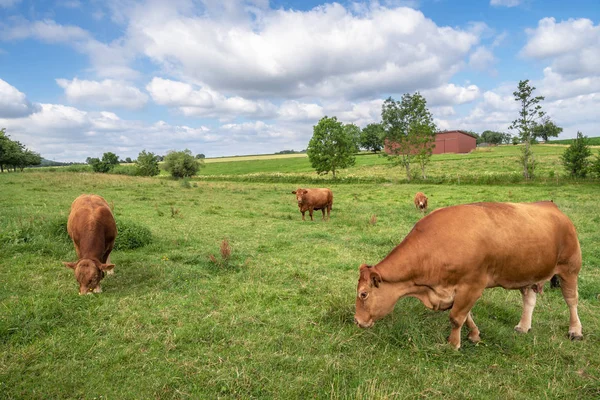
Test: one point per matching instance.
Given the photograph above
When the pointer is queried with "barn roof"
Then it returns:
(459, 131)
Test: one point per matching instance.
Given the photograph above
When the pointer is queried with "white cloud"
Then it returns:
(9, 3)
(206, 102)
(573, 46)
(293, 110)
(13, 103)
(481, 59)
(555, 86)
(326, 52)
(505, 3)
(106, 94)
(451, 94)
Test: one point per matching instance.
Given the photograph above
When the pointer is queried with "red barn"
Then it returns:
(450, 142)
(454, 142)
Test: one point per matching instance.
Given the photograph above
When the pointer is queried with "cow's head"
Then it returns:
(300, 194)
(88, 273)
(373, 301)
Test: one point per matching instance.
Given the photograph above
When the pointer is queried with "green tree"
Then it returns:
(104, 165)
(595, 167)
(146, 164)
(493, 137)
(353, 132)
(371, 137)
(128, 160)
(576, 157)
(181, 164)
(530, 111)
(28, 158)
(200, 156)
(330, 147)
(546, 129)
(409, 130)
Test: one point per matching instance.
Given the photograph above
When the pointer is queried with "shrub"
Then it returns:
(181, 164)
(147, 164)
(595, 167)
(130, 170)
(131, 235)
(575, 157)
(108, 162)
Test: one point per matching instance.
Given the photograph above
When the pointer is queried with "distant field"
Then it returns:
(276, 320)
(595, 141)
(257, 157)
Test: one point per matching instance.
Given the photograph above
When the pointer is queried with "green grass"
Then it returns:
(275, 320)
(592, 141)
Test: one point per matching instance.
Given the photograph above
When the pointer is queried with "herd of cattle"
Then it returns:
(446, 261)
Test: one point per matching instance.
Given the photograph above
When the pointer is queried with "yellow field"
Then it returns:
(249, 158)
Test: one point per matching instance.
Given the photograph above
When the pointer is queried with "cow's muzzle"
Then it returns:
(363, 324)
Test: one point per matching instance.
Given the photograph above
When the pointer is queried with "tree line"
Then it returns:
(14, 154)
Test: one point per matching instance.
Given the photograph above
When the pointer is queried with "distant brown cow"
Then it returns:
(421, 201)
(92, 227)
(454, 253)
(314, 199)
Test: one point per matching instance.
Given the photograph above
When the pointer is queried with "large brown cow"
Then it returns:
(454, 253)
(314, 199)
(92, 227)
(421, 201)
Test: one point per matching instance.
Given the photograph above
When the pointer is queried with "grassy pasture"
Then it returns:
(275, 321)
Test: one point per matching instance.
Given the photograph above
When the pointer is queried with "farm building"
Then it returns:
(450, 142)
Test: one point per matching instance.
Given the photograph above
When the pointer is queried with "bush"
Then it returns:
(182, 164)
(108, 162)
(130, 170)
(131, 235)
(575, 157)
(147, 164)
(595, 167)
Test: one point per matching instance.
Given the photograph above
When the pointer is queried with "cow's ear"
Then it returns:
(294, 192)
(106, 267)
(375, 278)
(71, 265)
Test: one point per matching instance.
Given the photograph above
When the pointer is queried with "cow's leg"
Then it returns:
(463, 302)
(568, 285)
(529, 298)
(303, 215)
(473, 329)
(106, 260)
(328, 211)
(310, 211)
(323, 211)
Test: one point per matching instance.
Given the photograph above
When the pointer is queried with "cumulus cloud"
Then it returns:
(481, 59)
(106, 94)
(451, 94)
(505, 3)
(328, 51)
(573, 46)
(13, 103)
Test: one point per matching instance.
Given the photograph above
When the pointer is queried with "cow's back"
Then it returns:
(91, 224)
(320, 198)
(508, 244)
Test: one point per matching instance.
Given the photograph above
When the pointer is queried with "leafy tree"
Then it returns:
(128, 160)
(530, 111)
(493, 137)
(108, 162)
(576, 157)
(371, 137)
(182, 164)
(14, 154)
(146, 164)
(200, 156)
(330, 147)
(546, 129)
(409, 130)
(28, 158)
(353, 132)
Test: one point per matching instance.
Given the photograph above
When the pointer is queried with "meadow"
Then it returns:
(275, 318)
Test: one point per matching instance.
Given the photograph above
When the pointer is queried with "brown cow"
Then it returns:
(454, 253)
(92, 227)
(314, 199)
(421, 201)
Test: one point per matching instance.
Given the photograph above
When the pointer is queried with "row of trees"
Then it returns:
(180, 164)
(13, 154)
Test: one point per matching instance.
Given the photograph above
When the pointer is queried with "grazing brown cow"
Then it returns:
(454, 253)
(92, 227)
(314, 199)
(421, 201)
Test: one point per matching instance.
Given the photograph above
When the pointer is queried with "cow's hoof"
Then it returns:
(575, 336)
(521, 330)
(474, 338)
(455, 346)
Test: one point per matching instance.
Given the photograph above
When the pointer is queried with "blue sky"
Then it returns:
(232, 77)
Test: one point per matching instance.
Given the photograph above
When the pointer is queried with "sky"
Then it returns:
(234, 77)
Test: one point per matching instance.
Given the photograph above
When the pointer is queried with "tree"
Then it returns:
(146, 164)
(182, 164)
(546, 129)
(200, 156)
(530, 111)
(409, 130)
(576, 157)
(108, 162)
(128, 160)
(353, 132)
(493, 137)
(330, 147)
(28, 158)
(595, 167)
(371, 137)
